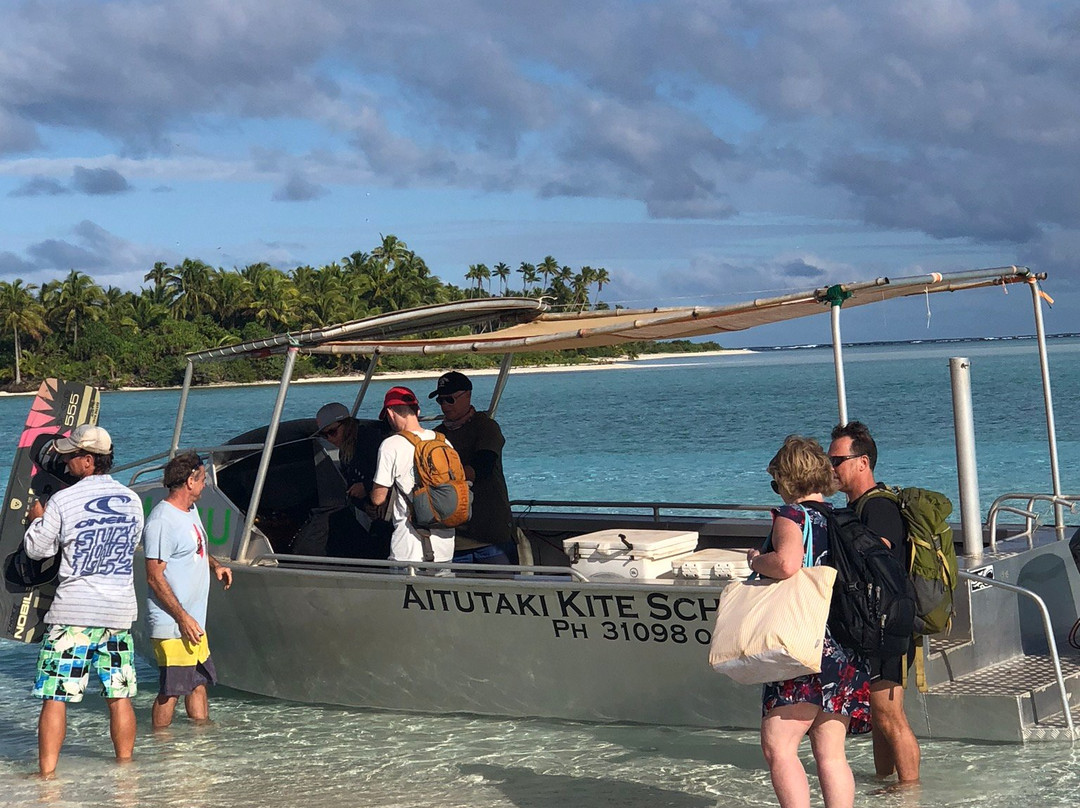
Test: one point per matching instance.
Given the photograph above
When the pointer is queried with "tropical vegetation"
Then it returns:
(74, 328)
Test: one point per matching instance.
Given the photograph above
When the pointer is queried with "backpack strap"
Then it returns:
(425, 535)
(880, 490)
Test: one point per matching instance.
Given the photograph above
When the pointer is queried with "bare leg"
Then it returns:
(198, 709)
(52, 727)
(122, 728)
(161, 713)
(827, 740)
(781, 732)
(895, 746)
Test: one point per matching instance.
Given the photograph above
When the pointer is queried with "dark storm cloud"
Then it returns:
(14, 266)
(299, 189)
(40, 186)
(99, 181)
(941, 116)
(59, 254)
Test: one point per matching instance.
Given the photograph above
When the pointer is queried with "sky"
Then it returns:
(701, 151)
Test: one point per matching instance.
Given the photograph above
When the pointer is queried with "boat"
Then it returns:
(608, 617)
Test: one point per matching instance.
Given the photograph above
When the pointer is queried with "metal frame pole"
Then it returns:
(838, 364)
(179, 425)
(365, 384)
(1048, 403)
(500, 383)
(267, 452)
(967, 470)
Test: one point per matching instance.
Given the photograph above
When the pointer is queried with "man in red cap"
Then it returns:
(395, 472)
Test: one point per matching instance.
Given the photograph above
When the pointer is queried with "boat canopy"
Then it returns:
(557, 331)
(492, 312)
(508, 325)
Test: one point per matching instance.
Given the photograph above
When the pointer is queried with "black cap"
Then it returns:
(452, 382)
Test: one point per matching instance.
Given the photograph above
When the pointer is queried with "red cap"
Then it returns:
(398, 395)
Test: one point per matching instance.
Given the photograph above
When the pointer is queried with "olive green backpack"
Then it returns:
(932, 559)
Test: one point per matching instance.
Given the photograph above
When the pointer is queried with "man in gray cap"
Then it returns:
(95, 525)
(486, 538)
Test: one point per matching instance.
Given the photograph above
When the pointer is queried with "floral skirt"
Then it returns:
(842, 687)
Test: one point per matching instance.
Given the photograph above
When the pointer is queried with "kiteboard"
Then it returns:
(28, 586)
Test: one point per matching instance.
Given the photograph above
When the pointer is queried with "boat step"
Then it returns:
(1019, 696)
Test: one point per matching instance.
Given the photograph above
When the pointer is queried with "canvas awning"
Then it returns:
(552, 331)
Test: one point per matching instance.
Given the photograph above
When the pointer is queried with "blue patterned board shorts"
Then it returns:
(67, 652)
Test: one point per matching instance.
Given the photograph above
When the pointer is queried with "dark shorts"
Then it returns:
(182, 680)
(891, 669)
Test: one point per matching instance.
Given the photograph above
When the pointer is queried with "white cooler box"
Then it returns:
(724, 565)
(606, 554)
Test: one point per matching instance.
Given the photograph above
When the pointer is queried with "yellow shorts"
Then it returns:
(180, 653)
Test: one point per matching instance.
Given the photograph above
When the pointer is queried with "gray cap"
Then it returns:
(330, 414)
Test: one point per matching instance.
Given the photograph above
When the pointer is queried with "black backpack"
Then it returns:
(873, 603)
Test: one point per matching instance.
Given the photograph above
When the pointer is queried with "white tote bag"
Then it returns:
(768, 630)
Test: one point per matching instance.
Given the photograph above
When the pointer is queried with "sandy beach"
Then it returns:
(404, 375)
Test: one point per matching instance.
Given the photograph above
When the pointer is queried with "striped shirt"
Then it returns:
(97, 523)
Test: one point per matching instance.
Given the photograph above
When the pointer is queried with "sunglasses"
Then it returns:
(332, 430)
(775, 487)
(838, 460)
(449, 398)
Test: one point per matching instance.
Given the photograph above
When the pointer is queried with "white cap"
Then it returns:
(85, 438)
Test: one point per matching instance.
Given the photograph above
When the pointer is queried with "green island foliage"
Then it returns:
(75, 329)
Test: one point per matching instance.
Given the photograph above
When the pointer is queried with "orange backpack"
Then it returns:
(442, 497)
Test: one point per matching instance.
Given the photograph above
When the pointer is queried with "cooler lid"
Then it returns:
(651, 544)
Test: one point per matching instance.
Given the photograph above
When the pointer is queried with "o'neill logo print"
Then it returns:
(106, 538)
(101, 504)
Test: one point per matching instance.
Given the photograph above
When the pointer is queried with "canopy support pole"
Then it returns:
(267, 452)
(1048, 403)
(500, 383)
(836, 296)
(967, 471)
(179, 425)
(365, 384)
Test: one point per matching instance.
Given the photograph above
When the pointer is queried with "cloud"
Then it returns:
(99, 181)
(40, 186)
(14, 266)
(900, 116)
(88, 248)
(299, 189)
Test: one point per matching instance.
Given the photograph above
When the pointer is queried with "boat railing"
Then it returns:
(144, 465)
(416, 568)
(655, 507)
(1048, 630)
(1030, 516)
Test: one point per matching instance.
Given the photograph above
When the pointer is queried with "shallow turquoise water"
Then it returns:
(697, 429)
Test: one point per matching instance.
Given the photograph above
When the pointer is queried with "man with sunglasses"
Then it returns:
(853, 455)
(178, 570)
(95, 524)
(486, 538)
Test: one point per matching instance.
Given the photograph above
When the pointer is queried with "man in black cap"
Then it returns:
(486, 538)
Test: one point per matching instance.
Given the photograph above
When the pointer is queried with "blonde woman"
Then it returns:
(827, 705)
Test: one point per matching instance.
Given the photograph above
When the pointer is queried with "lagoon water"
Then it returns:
(683, 429)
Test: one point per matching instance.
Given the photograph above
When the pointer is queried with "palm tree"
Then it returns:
(528, 278)
(276, 301)
(600, 278)
(502, 272)
(391, 251)
(159, 274)
(73, 300)
(478, 273)
(189, 281)
(20, 311)
(548, 267)
(232, 298)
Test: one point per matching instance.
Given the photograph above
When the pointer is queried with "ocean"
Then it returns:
(686, 429)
